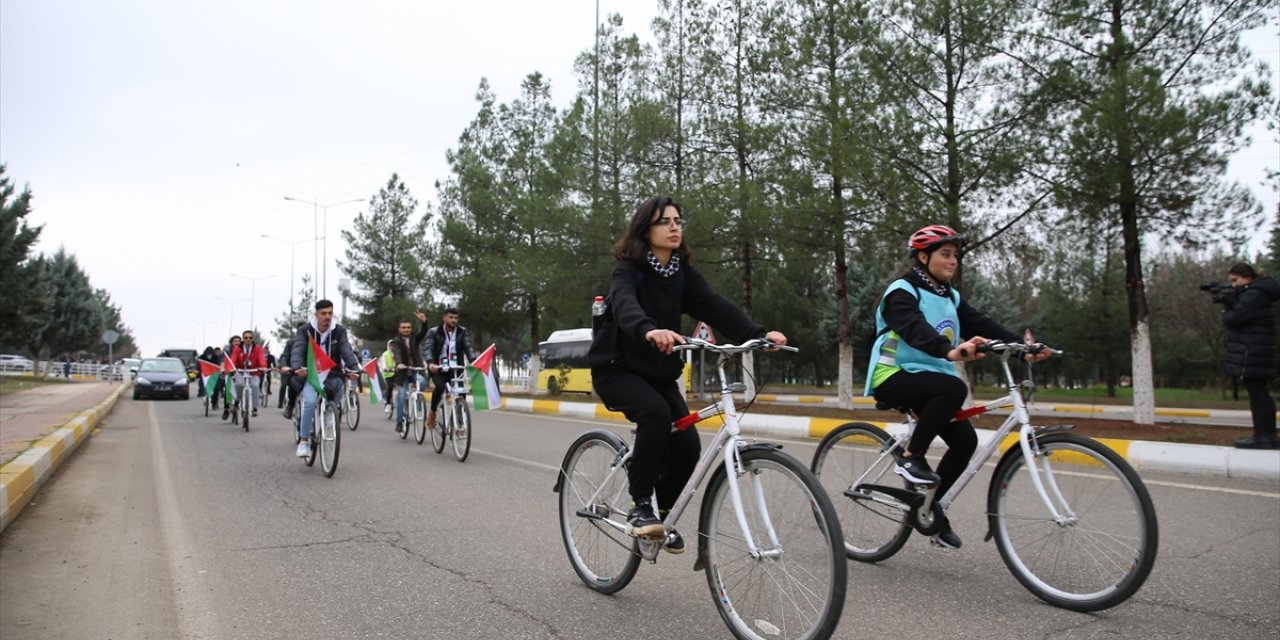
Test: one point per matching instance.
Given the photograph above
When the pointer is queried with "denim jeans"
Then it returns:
(402, 395)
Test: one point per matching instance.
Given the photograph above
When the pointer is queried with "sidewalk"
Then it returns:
(1195, 459)
(39, 428)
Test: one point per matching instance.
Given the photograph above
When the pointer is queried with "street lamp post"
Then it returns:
(253, 287)
(232, 318)
(293, 251)
(322, 259)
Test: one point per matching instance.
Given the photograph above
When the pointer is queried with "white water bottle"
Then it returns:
(597, 307)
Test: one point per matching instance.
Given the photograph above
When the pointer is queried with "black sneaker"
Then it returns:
(1257, 442)
(947, 539)
(642, 521)
(226, 413)
(915, 469)
(674, 543)
(399, 427)
(288, 412)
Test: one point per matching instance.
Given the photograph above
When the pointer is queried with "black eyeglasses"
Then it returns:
(667, 221)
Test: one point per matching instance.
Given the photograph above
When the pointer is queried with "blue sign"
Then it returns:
(364, 354)
(524, 357)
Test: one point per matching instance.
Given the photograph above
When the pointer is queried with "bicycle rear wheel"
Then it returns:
(438, 430)
(461, 429)
(604, 557)
(847, 460)
(330, 439)
(1104, 547)
(795, 588)
(352, 411)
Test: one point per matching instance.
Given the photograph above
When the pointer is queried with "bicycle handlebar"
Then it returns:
(996, 346)
(754, 344)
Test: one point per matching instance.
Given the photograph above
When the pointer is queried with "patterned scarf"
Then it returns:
(667, 271)
(938, 288)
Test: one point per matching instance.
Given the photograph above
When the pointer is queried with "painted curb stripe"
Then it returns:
(21, 477)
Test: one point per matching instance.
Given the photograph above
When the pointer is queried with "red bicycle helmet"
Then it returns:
(934, 235)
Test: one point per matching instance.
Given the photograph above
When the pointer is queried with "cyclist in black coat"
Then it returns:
(633, 367)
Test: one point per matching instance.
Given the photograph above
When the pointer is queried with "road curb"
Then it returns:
(21, 477)
(1193, 459)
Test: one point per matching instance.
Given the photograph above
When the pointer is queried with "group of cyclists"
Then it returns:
(403, 364)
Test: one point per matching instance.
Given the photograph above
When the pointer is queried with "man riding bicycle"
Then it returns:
(406, 351)
(446, 343)
(249, 355)
(332, 337)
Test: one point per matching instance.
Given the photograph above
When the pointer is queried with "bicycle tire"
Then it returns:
(461, 435)
(206, 405)
(874, 526)
(1109, 546)
(352, 412)
(604, 558)
(330, 440)
(404, 428)
(419, 427)
(315, 428)
(795, 590)
(439, 430)
(246, 404)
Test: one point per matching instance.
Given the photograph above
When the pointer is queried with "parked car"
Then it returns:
(15, 363)
(160, 378)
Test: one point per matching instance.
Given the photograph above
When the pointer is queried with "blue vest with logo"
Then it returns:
(890, 354)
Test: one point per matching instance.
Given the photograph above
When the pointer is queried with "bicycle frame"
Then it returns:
(1026, 437)
(729, 434)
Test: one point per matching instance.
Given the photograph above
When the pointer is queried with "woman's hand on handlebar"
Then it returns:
(776, 337)
(665, 339)
(967, 351)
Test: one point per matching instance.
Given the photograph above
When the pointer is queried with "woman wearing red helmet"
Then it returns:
(923, 327)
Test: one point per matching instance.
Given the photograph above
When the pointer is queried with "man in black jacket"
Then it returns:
(1250, 317)
(445, 343)
(332, 338)
(406, 349)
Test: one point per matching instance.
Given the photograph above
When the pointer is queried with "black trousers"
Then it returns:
(663, 459)
(1262, 406)
(439, 380)
(934, 398)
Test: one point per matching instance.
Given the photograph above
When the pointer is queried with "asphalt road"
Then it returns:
(168, 524)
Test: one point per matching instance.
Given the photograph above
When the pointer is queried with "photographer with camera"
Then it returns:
(1251, 345)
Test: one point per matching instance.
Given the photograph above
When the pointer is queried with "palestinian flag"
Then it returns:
(229, 382)
(209, 374)
(375, 386)
(483, 374)
(319, 364)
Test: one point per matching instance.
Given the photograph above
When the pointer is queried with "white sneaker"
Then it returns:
(304, 449)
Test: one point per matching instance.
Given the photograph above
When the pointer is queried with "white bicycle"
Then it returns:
(1071, 519)
(453, 418)
(768, 537)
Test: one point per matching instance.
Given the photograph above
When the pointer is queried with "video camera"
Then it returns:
(1219, 293)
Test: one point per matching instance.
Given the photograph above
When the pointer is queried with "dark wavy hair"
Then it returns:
(634, 243)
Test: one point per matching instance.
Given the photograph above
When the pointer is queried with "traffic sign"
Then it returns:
(110, 336)
(703, 332)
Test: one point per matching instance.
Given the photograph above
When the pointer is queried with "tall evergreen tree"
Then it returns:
(383, 254)
(1158, 96)
(19, 278)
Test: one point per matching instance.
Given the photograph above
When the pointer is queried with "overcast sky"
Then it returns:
(161, 138)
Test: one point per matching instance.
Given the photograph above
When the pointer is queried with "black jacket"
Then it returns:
(902, 314)
(1250, 317)
(411, 357)
(339, 347)
(659, 303)
(433, 345)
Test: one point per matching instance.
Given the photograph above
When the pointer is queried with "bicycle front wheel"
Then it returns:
(794, 586)
(437, 428)
(461, 429)
(849, 462)
(594, 500)
(330, 439)
(1101, 548)
(419, 419)
(206, 405)
(246, 406)
(352, 412)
